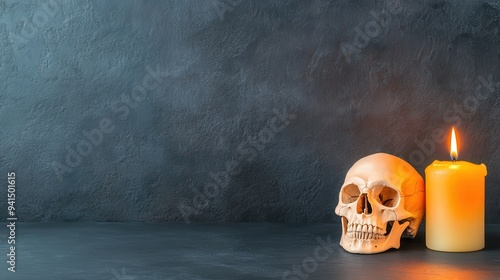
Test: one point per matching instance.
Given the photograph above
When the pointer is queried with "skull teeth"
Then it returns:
(364, 231)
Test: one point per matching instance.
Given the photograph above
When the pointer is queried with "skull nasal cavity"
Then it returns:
(364, 205)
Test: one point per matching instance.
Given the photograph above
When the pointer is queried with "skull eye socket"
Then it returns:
(350, 194)
(388, 196)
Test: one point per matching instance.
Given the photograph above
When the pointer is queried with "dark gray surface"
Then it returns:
(222, 77)
(70, 251)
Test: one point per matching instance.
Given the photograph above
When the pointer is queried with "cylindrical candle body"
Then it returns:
(454, 194)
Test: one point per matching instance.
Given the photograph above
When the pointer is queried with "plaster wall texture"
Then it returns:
(236, 111)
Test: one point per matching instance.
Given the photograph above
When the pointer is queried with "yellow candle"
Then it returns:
(454, 193)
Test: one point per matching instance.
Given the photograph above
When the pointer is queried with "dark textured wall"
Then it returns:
(134, 110)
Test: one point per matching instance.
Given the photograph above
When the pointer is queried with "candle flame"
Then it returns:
(453, 145)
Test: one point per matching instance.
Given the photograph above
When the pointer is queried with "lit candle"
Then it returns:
(454, 192)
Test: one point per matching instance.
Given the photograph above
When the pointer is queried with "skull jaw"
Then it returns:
(372, 246)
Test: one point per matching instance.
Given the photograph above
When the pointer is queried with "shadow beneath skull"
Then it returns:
(413, 244)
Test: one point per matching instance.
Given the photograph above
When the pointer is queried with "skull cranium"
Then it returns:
(381, 200)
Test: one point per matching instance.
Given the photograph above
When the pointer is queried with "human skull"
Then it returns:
(382, 199)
